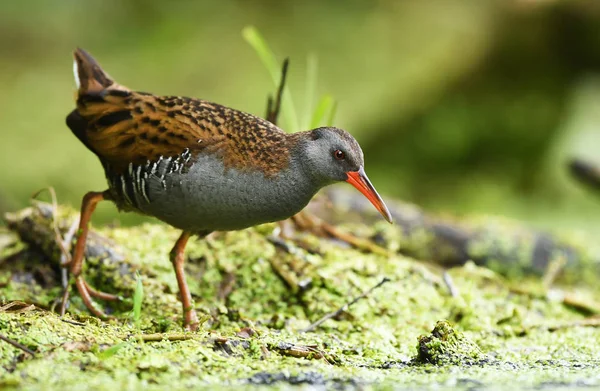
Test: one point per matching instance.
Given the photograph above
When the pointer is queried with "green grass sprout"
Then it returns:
(138, 298)
(313, 117)
(111, 351)
(312, 65)
(325, 106)
(253, 37)
(332, 113)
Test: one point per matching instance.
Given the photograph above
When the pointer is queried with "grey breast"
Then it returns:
(205, 196)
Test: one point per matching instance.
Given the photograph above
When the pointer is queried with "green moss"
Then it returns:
(445, 345)
(241, 280)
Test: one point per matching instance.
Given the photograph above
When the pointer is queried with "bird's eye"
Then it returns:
(339, 155)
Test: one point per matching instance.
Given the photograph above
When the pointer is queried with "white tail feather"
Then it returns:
(76, 74)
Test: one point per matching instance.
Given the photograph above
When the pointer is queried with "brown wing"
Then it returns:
(128, 127)
(122, 126)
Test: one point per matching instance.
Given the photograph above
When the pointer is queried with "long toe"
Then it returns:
(84, 292)
(101, 295)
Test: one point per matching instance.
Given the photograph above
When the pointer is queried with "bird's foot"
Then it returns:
(101, 295)
(190, 319)
(87, 292)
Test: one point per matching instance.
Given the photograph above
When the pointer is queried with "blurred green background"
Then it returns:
(460, 106)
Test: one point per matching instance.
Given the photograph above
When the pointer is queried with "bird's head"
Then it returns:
(332, 155)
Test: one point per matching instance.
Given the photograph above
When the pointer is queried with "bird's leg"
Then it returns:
(90, 200)
(177, 256)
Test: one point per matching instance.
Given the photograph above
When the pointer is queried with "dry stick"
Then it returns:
(26, 306)
(226, 286)
(269, 107)
(157, 337)
(11, 304)
(588, 307)
(452, 289)
(298, 351)
(308, 221)
(586, 172)
(17, 345)
(345, 307)
(64, 300)
(64, 261)
(57, 234)
(73, 322)
(273, 111)
(555, 267)
(64, 244)
(588, 322)
(355, 241)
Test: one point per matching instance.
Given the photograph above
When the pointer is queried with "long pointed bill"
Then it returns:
(360, 180)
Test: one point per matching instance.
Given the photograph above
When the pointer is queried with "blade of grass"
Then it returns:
(324, 106)
(310, 89)
(332, 113)
(138, 298)
(253, 37)
(111, 351)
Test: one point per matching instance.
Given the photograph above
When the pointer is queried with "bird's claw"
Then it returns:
(86, 292)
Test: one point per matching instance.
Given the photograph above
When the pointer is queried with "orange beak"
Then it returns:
(360, 180)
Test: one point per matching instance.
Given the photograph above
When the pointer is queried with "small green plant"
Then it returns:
(325, 110)
(138, 298)
(109, 352)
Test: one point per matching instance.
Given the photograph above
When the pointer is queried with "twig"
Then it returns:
(73, 322)
(282, 269)
(586, 172)
(157, 337)
(273, 110)
(264, 352)
(64, 300)
(65, 259)
(17, 345)
(578, 304)
(555, 267)
(281, 244)
(354, 241)
(588, 322)
(452, 289)
(64, 244)
(58, 237)
(308, 222)
(25, 307)
(226, 286)
(345, 307)
(298, 351)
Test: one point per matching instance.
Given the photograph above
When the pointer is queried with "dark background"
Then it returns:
(460, 106)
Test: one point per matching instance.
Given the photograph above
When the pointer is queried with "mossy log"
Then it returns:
(506, 246)
(587, 173)
(256, 297)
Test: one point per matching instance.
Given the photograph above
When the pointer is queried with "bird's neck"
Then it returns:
(304, 163)
(297, 180)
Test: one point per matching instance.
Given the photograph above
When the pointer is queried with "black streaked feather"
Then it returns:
(78, 126)
(114, 118)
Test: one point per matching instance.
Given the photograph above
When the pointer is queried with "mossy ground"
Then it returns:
(255, 297)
